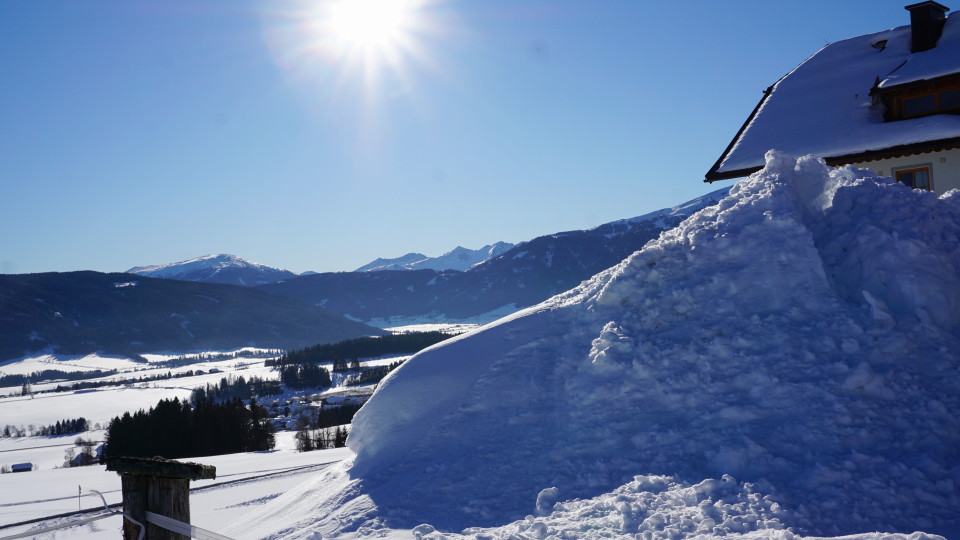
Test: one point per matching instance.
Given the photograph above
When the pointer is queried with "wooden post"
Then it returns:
(158, 485)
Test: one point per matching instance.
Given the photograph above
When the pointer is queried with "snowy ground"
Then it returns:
(99, 405)
(783, 363)
(244, 482)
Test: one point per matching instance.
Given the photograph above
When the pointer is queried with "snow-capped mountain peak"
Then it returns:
(459, 258)
(398, 263)
(220, 268)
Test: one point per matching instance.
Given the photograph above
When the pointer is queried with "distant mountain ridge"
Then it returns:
(398, 263)
(221, 268)
(522, 276)
(84, 312)
(459, 258)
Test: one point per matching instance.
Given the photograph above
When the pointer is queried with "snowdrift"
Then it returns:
(795, 345)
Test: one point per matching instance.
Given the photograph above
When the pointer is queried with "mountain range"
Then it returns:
(82, 312)
(521, 276)
(460, 258)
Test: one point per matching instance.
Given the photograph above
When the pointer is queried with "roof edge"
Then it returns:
(714, 173)
(846, 159)
(894, 151)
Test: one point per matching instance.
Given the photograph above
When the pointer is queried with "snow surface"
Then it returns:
(659, 216)
(244, 481)
(823, 106)
(786, 359)
(438, 321)
(936, 62)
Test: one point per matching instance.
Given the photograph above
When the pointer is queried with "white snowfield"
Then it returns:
(243, 481)
(781, 365)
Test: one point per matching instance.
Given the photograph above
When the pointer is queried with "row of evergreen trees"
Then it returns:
(84, 385)
(62, 427)
(236, 388)
(18, 379)
(371, 375)
(300, 376)
(173, 429)
(318, 439)
(367, 347)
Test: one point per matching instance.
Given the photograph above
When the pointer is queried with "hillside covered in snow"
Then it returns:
(786, 360)
(228, 269)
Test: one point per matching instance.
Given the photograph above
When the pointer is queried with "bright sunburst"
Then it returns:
(353, 48)
(371, 23)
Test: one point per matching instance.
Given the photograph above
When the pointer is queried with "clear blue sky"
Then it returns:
(147, 132)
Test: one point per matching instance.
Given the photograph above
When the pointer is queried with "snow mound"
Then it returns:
(800, 336)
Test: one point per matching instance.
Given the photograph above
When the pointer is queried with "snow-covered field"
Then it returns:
(99, 405)
(244, 481)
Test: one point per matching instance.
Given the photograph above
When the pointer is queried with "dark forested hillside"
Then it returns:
(83, 312)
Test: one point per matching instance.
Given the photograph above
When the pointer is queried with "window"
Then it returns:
(922, 99)
(950, 100)
(929, 102)
(919, 105)
(917, 177)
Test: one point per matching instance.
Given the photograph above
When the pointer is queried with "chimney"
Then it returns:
(926, 24)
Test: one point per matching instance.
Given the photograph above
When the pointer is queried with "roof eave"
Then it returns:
(894, 151)
(919, 82)
(857, 157)
(714, 173)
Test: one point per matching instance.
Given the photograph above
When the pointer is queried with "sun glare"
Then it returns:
(371, 24)
(375, 46)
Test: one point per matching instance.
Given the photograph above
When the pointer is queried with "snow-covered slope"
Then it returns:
(216, 269)
(800, 337)
(460, 258)
(396, 263)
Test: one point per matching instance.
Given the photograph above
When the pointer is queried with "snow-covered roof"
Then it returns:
(824, 107)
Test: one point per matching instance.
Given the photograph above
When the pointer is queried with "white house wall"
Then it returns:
(944, 167)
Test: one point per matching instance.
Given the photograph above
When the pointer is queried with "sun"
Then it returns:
(371, 25)
(353, 48)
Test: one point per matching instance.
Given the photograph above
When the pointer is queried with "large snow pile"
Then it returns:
(801, 338)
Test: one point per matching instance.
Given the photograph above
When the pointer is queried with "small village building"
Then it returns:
(888, 101)
(83, 459)
(22, 467)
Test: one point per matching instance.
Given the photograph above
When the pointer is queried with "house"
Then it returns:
(888, 101)
(83, 459)
(21, 467)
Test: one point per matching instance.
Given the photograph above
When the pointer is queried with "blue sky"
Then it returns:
(147, 132)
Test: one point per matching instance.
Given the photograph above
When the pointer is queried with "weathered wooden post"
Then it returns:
(157, 485)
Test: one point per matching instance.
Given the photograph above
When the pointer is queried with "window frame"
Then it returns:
(928, 167)
(899, 98)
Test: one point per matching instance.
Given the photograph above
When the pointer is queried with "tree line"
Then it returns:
(62, 427)
(300, 376)
(185, 360)
(371, 375)
(52, 375)
(318, 439)
(367, 347)
(84, 385)
(174, 429)
(236, 388)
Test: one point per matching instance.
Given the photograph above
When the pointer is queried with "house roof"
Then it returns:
(824, 107)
